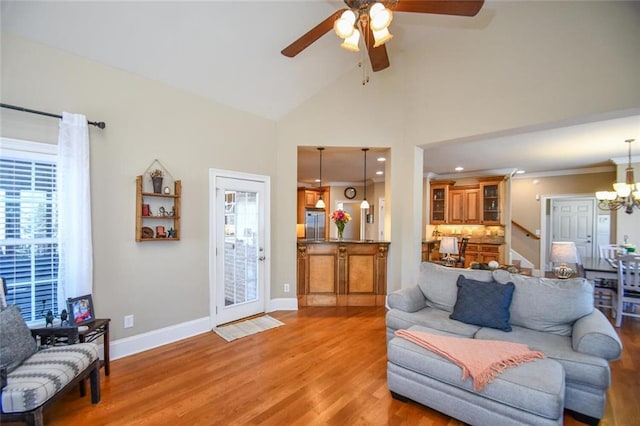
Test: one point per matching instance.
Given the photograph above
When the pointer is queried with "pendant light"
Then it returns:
(365, 203)
(320, 202)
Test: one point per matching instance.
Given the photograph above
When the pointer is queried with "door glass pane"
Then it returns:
(240, 247)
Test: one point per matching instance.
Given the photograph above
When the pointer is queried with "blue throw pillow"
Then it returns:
(483, 303)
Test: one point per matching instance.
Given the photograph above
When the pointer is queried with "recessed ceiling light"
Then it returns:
(379, 172)
(382, 159)
(459, 169)
(519, 172)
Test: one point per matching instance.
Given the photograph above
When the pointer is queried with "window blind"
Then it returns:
(28, 233)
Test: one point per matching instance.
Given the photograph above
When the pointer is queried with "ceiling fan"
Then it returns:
(371, 18)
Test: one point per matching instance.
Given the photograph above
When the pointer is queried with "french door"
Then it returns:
(238, 262)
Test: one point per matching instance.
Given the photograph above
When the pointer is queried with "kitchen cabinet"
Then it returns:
(484, 253)
(439, 201)
(345, 273)
(492, 192)
(464, 205)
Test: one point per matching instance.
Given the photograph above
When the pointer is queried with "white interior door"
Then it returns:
(573, 220)
(238, 286)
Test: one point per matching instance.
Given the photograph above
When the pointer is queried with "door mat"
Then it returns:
(247, 328)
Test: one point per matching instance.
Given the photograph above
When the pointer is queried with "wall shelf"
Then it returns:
(162, 211)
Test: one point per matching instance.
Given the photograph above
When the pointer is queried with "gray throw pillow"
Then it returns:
(546, 304)
(483, 303)
(16, 343)
(438, 283)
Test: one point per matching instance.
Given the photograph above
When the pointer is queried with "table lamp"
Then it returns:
(448, 246)
(563, 253)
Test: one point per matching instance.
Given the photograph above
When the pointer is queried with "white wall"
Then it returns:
(529, 64)
(534, 63)
(161, 283)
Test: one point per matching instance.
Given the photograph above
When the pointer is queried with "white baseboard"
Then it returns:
(283, 304)
(152, 339)
(142, 342)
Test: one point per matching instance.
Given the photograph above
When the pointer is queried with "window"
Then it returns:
(28, 226)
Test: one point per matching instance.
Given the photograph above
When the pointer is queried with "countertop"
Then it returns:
(480, 240)
(301, 241)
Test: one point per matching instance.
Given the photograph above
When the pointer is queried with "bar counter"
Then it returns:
(342, 272)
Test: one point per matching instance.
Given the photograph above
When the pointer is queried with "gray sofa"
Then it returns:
(553, 316)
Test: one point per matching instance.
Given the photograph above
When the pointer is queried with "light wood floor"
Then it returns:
(326, 366)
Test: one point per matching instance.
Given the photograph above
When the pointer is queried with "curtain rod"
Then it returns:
(99, 124)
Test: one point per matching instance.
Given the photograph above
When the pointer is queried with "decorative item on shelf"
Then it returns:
(147, 232)
(146, 210)
(160, 232)
(563, 253)
(340, 218)
(160, 178)
(171, 233)
(448, 246)
(626, 194)
(156, 177)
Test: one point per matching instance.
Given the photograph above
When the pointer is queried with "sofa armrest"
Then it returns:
(409, 299)
(594, 335)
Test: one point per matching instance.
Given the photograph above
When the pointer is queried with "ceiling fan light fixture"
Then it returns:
(351, 43)
(379, 17)
(382, 36)
(345, 26)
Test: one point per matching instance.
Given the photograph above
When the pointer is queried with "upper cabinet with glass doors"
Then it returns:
(492, 207)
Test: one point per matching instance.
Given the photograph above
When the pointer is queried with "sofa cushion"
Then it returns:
(436, 319)
(550, 305)
(536, 387)
(42, 375)
(483, 303)
(17, 343)
(579, 367)
(438, 283)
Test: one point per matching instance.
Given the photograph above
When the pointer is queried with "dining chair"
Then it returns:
(608, 251)
(628, 287)
(462, 248)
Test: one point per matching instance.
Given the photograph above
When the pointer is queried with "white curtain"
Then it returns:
(75, 273)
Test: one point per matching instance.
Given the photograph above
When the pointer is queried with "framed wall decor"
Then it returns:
(80, 310)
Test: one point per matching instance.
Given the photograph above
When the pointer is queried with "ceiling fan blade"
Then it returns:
(312, 35)
(377, 55)
(440, 7)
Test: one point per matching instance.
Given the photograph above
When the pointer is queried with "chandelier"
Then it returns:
(364, 14)
(626, 194)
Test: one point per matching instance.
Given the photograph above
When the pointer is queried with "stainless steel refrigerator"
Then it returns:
(314, 224)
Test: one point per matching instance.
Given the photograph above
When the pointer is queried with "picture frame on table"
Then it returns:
(80, 310)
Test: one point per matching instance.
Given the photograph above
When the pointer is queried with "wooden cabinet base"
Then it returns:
(342, 273)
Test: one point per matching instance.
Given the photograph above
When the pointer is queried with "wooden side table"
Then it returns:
(68, 335)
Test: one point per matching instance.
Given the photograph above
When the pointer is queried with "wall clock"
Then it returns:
(350, 192)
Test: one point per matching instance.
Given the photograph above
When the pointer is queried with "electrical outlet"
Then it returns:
(128, 321)
(286, 287)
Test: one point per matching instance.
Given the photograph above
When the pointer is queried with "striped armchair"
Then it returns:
(32, 379)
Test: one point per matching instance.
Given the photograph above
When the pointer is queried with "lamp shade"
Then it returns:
(564, 252)
(351, 42)
(449, 245)
(382, 36)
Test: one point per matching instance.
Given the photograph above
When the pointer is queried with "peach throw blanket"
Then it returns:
(483, 360)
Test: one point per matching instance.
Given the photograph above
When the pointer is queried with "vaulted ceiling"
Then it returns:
(229, 52)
